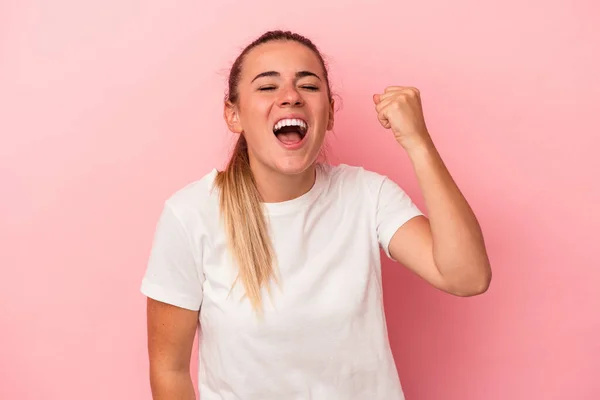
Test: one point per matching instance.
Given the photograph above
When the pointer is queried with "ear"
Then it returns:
(331, 115)
(232, 118)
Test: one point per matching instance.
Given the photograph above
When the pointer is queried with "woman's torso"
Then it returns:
(323, 333)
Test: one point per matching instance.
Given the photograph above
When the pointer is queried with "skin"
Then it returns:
(279, 78)
(171, 332)
(446, 249)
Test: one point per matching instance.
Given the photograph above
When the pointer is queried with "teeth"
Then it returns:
(290, 122)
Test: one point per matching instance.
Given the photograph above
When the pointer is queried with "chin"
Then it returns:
(294, 165)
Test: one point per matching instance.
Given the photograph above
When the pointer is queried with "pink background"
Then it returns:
(107, 107)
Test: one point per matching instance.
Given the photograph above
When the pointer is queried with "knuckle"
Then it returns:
(412, 92)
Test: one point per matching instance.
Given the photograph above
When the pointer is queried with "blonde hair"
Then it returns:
(245, 224)
(240, 201)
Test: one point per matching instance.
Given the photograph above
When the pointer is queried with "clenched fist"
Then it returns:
(399, 109)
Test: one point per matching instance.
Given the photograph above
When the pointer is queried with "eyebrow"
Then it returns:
(299, 74)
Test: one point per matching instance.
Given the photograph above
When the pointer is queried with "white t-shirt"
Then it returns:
(323, 335)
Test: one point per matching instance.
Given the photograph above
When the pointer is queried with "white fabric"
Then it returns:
(324, 334)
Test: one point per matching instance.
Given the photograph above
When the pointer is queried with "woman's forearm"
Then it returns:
(170, 385)
(458, 245)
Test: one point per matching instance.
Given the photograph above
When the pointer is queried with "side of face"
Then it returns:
(284, 110)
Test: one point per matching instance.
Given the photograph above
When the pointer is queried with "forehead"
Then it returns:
(284, 57)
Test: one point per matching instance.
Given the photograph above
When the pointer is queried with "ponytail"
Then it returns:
(245, 224)
(240, 202)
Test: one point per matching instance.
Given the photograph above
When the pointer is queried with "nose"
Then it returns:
(290, 97)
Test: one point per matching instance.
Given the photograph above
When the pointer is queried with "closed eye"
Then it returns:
(306, 87)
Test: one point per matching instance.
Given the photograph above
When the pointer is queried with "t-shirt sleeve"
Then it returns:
(173, 273)
(394, 209)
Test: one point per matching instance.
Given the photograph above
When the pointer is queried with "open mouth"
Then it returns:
(290, 131)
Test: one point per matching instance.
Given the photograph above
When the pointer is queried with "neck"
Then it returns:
(275, 187)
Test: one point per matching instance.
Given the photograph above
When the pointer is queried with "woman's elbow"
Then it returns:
(473, 285)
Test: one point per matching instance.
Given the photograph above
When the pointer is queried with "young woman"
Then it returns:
(277, 257)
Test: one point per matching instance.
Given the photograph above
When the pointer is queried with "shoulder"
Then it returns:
(354, 178)
(350, 173)
(356, 182)
(196, 200)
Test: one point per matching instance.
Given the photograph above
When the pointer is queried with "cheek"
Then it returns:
(260, 108)
(321, 106)
(255, 114)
